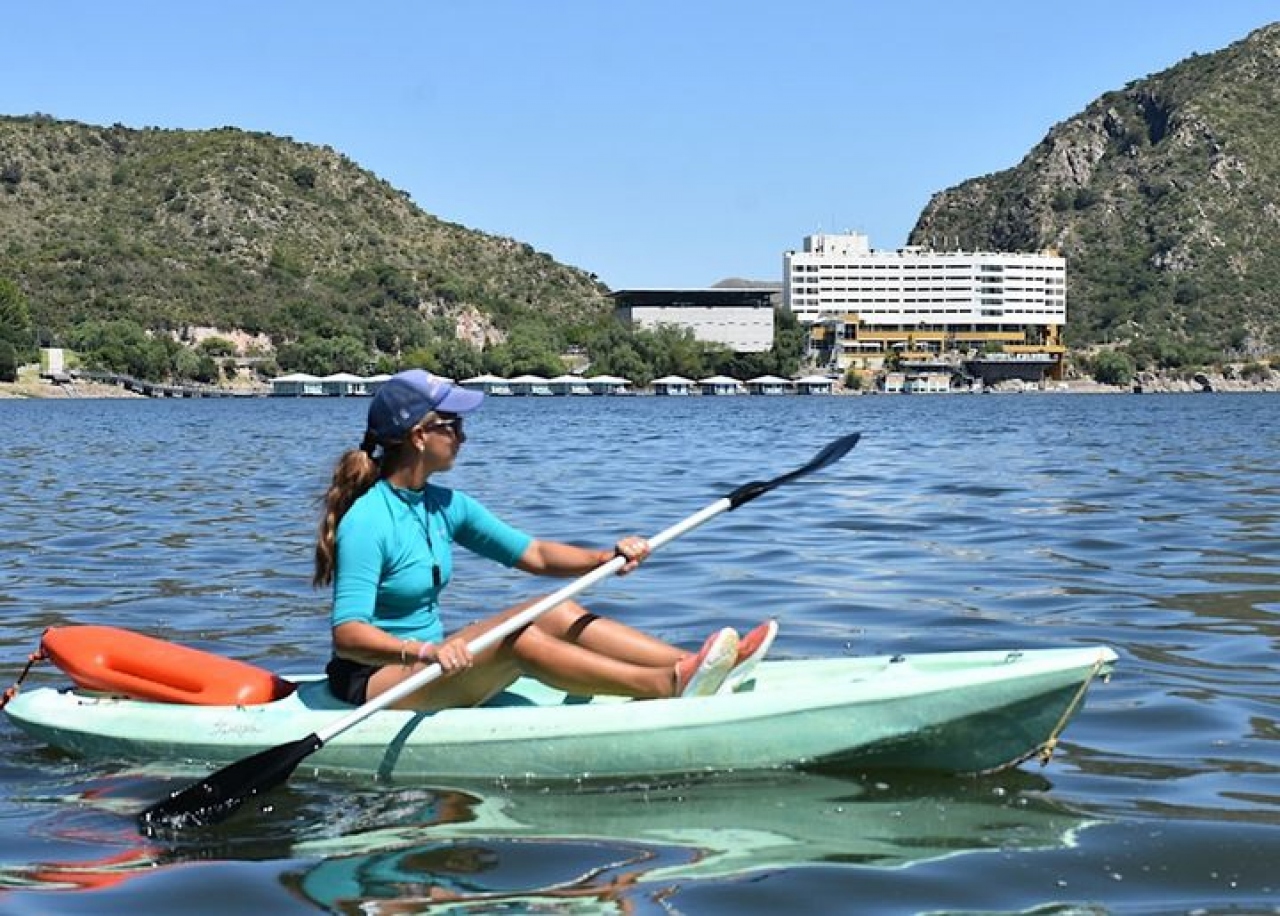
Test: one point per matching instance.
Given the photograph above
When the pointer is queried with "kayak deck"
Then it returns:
(950, 712)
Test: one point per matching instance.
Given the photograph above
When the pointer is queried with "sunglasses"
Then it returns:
(453, 424)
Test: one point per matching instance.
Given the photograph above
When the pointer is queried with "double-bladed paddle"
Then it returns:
(219, 795)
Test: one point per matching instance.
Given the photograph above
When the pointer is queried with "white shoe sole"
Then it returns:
(715, 667)
(741, 675)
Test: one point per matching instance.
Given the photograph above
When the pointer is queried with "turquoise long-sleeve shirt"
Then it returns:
(395, 555)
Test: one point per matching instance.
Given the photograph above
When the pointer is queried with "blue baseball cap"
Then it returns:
(404, 399)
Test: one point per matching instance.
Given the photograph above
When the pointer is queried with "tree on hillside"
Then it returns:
(447, 356)
(531, 348)
(15, 319)
(673, 350)
(325, 355)
(125, 346)
(8, 362)
(216, 346)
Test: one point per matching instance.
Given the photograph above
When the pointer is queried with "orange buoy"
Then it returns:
(124, 663)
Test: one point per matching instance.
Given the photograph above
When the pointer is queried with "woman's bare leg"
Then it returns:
(567, 647)
(572, 622)
(574, 668)
(492, 672)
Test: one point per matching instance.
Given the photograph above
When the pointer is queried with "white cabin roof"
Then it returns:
(297, 377)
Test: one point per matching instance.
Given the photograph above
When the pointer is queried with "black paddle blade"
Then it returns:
(220, 795)
(832, 453)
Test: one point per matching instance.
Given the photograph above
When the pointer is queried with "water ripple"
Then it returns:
(1148, 523)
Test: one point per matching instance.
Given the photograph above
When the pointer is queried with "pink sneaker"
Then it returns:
(702, 674)
(751, 649)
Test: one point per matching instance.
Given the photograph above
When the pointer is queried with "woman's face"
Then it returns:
(438, 438)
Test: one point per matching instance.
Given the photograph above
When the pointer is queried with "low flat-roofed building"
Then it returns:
(297, 384)
(720, 385)
(608, 384)
(673, 385)
(814, 384)
(738, 317)
(492, 385)
(568, 384)
(342, 384)
(769, 384)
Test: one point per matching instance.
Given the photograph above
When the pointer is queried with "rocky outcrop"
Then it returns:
(1163, 196)
(1229, 380)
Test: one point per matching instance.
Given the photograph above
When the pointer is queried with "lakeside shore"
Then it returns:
(43, 389)
(31, 386)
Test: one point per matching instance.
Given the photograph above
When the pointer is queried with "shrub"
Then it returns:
(1113, 367)
(217, 346)
(304, 176)
(1255, 372)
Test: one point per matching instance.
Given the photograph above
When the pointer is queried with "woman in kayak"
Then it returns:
(385, 545)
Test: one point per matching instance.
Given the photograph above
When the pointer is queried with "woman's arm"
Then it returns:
(552, 558)
(369, 645)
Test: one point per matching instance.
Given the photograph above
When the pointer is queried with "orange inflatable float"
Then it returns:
(124, 663)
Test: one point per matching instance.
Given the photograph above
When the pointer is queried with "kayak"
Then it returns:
(954, 712)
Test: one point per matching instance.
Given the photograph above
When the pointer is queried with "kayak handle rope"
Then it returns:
(1044, 751)
(37, 656)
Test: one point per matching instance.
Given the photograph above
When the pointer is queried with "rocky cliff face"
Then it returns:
(1165, 198)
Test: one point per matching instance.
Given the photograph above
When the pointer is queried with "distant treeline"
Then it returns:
(541, 348)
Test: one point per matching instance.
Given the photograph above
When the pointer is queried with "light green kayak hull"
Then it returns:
(948, 712)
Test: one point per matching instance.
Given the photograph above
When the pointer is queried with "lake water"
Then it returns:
(1148, 523)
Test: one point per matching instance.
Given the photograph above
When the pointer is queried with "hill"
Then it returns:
(174, 230)
(1163, 198)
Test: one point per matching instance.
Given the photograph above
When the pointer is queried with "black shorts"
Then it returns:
(348, 680)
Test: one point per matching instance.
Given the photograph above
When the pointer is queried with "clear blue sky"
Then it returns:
(652, 142)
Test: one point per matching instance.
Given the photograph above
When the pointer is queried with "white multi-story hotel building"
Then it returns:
(862, 304)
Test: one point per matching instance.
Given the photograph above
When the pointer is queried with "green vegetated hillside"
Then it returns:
(224, 228)
(1164, 196)
(123, 243)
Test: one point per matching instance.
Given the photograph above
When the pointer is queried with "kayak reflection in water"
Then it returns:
(385, 545)
(472, 874)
